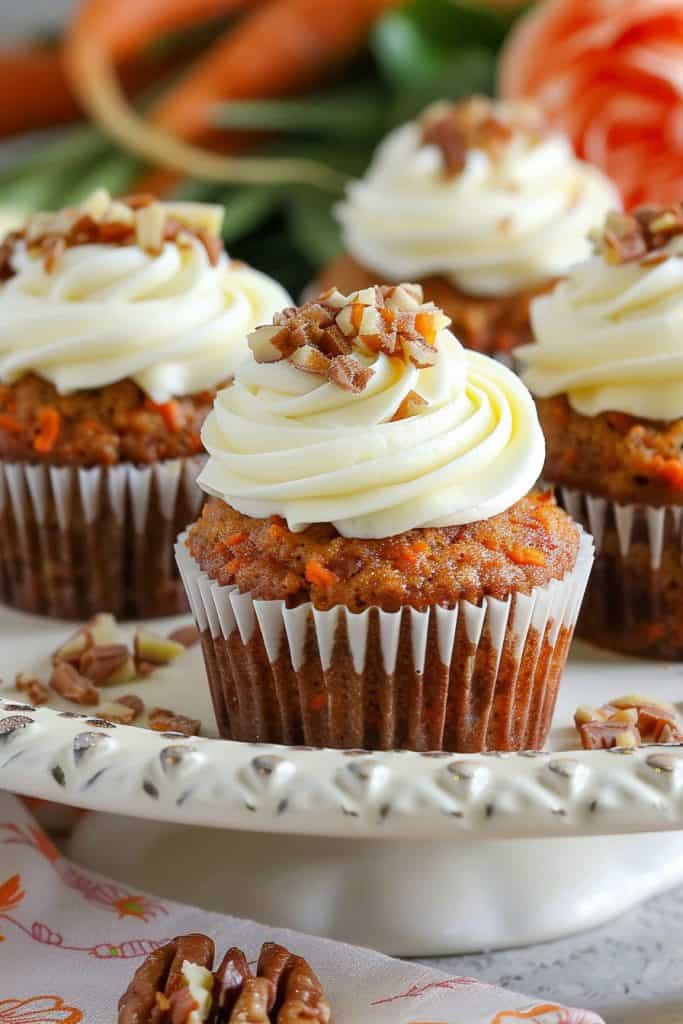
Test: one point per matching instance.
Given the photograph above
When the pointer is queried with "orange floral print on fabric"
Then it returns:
(546, 1013)
(11, 893)
(38, 1010)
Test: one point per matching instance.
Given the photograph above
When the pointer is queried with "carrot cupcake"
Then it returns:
(370, 570)
(119, 320)
(483, 205)
(606, 373)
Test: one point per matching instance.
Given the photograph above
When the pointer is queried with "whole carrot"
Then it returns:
(123, 29)
(280, 46)
(36, 90)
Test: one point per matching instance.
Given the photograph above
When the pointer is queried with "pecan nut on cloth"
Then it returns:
(177, 984)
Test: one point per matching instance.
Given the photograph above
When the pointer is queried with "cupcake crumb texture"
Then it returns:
(118, 423)
(525, 547)
(622, 457)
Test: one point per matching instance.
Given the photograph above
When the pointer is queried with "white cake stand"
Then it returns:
(409, 853)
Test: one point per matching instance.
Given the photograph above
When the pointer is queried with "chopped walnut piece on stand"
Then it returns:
(628, 722)
(96, 656)
(165, 720)
(177, 983)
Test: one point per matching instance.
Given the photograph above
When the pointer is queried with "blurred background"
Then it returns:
(269, 106)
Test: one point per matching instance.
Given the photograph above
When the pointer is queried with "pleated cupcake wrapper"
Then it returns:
(75, 540)
(628, 608)
(231, 623)
(594, 511)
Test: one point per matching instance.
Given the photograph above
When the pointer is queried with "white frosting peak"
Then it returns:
(611, 338)
(289, 442)
(171, 319)
(507, 221)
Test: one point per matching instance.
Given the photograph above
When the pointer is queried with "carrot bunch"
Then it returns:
(276, 47)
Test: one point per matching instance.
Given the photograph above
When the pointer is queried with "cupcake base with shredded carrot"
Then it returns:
(525, 547)
(426, 677)
(629, 471)
(104, 427)
(99, 483)
(621, 457)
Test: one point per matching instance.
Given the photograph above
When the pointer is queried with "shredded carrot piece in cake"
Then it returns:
(235, 538)
(526, 556)
(670, 471)
(619, 420)
(10, 424)
(318, 575)
(49, 425)
(407, 554)
(171, 412)
(91, 426)
(277, 529)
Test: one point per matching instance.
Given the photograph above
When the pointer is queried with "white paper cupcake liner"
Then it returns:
(635, 597)
(76, 541)
(474, 677)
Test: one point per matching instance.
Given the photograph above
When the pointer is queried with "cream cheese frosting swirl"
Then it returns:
(285, 441)
(610, 337)
(171, 317)
(512, 218)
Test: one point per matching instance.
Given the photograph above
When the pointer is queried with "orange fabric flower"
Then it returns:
(610, 75)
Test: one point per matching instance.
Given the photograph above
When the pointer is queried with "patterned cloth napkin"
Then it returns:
(71, 940)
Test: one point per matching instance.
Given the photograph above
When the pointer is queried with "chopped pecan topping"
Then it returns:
(101, 629)
(335, 336)
(283, 989)
(623, 239)
(149, 647)
(164, 720)
(33, 688)
(349, 374)
(477, 123)
(641, 236)
(68, 682)
(115, 711)
(6, 253)
(132, 701)
(106, 664)
(140, 220)
(188, 636)
(627, 722)
(410, 405)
